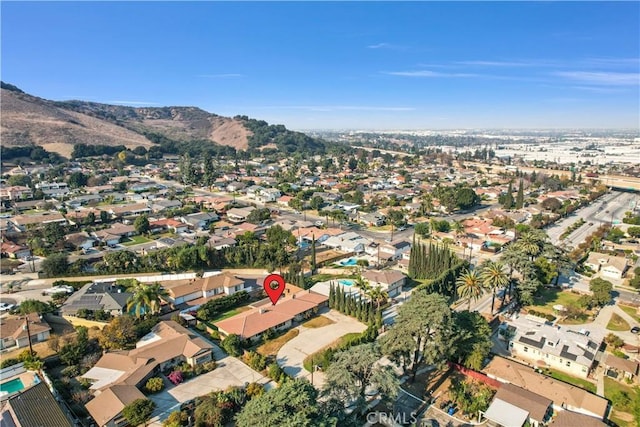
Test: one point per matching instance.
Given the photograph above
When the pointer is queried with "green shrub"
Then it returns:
(154, 385)
(255, 360)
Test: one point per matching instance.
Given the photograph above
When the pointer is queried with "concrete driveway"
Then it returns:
(310, 340)
(229, 372)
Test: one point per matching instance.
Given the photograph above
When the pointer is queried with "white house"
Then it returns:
(390, 281)
(609, 265)
(268, 195)
(347, 242)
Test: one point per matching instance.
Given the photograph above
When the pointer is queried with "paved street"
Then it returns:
(609, 208)
(310, 340)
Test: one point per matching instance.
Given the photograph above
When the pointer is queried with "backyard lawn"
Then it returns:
(621, 397)
(631, 311)
(135, 240)
(229, 313)
(617, 323)
(578, 382)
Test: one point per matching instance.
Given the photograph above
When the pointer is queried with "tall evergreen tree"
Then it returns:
(313, 254)
(520, 196)
(508, 198)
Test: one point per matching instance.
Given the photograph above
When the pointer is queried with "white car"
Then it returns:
(4, 306)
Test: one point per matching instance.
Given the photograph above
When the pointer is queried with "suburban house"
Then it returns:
(162, 205)
(169, 224)
(513, 406)
(373, 219)
(38, 219)
(250, 325)
(565, 397)
(390, 281)
(615, 366)
(201, 220)
(181, 291)
(117, 375)
(111, 236)
(555, 346)
(237, 215)
(20, 410)
(53, 189)
(133, 209)
(347, 242)
(12, 250)
(235, 186)
(16, 192)
(14, 331)
(81, 240)
(609, 265)
(394, 250)
(95, 296)
(268, 195)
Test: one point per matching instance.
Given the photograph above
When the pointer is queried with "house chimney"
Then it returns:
(262, 311)
(293, 296)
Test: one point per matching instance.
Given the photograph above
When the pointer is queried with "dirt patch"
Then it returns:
(231, 133)
(271, 348)
(318, 322)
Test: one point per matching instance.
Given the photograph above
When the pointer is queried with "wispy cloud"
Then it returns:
(601, 78)
(221, 76)
(118, 102)
(389, 46)
(427, 74)
(533, 63)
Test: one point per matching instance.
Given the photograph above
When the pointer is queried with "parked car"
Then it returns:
(318, 223)
(635, 330)
(5, 306)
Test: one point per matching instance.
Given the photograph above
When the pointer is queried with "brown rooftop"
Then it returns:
(531, 402)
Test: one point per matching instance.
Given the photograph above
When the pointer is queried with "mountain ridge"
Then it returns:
(56, 126)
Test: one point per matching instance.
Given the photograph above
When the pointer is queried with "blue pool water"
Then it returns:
(350, 261)
(346, 282)
(12, 386)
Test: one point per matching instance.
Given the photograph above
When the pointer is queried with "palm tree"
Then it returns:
(377, 295)
(469, 285)
(146, 298)
(493, 276)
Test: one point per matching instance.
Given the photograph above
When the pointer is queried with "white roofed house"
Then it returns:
(394, 250)
(201, 220)
(390, 281)
(608, 265)
(268, 195)
(347, 242)
(237, 215)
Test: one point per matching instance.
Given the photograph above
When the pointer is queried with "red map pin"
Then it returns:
(274, 286)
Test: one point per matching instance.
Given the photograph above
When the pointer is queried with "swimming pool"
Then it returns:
(349, 262)
(346, 282)
(12, 386)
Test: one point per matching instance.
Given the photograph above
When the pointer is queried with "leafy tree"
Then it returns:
(34, 306)
(601, 291)
(53, 233)
(466, 198)
(294, 403)
(469, 285)
(422, 334)
(139, 411)
(120, 333)
(422, 229)
(633, 231)
(473, 339)
(56, 264)
(258, 215)
(77, 180)
(396, 217)
(141, 224)
(22, 180)
(232, 344)
(441, 226)
(154, 385)
(552, 204)
(316, 202)
(356, 369)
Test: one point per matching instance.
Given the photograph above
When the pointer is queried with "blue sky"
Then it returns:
(341, 65)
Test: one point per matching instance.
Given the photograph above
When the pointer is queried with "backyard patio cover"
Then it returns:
(506, 414)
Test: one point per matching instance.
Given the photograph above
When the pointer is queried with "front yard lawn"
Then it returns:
(271, 347)
(135, 240)
(617, 323)
(631, 311)
(578, 382)
(552, 296)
